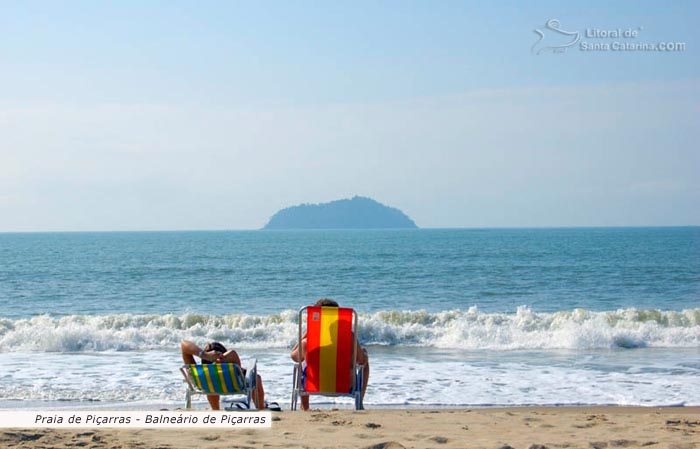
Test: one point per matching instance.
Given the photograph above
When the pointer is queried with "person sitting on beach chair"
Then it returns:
(215, 352)
(299, 355)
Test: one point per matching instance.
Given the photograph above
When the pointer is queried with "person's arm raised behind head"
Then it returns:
(189, 350)
(360, 354)
(295, 351)
(230, 356)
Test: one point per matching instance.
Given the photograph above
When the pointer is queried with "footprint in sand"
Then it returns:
(677, 424)
(20, 437)
(386, 445)
(592, 420)
(319, 417)
(622, 443)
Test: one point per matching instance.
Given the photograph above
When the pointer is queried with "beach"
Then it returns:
(493, 206)
(519, 428)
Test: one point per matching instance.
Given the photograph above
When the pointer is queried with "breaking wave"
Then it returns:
(459, 329)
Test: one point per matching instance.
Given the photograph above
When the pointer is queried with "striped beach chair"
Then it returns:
(223, 379)
(330, 367)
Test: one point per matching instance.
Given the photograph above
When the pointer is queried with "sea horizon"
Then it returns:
(448, 228)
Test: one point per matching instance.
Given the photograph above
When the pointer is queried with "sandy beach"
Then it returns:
(518, 428)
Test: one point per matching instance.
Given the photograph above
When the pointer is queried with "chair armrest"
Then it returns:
(252, 375)
(188, 378)
(359, 374)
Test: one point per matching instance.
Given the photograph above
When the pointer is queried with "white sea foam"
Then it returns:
(457, 329)
(400, 377)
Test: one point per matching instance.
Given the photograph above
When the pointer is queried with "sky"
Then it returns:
(168, 115)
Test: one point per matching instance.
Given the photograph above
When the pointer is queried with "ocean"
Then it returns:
(451, 318)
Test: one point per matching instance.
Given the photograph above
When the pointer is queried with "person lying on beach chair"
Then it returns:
(215, 352)
(299, 355)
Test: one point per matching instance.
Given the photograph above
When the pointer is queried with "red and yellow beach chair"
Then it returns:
(223, 379)
(330, 367)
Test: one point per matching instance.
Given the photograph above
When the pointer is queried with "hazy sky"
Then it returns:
(213, 115)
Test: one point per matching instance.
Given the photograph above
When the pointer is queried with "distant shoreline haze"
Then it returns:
(355, 213)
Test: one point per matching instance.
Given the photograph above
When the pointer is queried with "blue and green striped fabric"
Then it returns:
(218, 378)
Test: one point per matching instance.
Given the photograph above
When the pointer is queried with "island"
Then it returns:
(355, 213)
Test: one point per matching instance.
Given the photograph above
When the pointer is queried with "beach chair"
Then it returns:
(330, 367)
(223, 379)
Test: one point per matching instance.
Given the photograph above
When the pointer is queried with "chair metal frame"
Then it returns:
(357, 370)
(250, 384)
